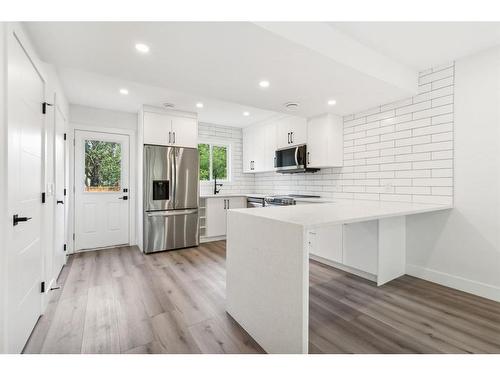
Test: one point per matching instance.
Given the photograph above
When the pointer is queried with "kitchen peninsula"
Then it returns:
(268, 251)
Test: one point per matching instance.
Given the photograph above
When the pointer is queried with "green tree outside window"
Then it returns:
(213, 162)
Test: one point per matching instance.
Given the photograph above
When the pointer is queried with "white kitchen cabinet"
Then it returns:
(259, 145)
(291, 131)
(216, 217)
(326, 242)
(325, 141)
(216, 213)
(185, 132)
(249, 140)
(170, 129)
(360, 243)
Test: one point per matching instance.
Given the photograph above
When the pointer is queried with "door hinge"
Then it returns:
(42, 287)
(43, 197)
(64, 191)
(44, 107)
(64, 247)
(64, 136)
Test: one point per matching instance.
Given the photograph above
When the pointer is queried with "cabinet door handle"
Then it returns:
(288, 138)
(291, 137)
(174, 137)
(169, 137)
(228, 205)
(225, 204)
(308, 158)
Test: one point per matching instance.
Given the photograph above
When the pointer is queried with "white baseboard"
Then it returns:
(466, 285)
(331, 263)
(212, 239)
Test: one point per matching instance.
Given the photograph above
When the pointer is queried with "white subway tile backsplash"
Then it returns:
(399, 151)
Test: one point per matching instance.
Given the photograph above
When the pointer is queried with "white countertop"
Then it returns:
(341, 211)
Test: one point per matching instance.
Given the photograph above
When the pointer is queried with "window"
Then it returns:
(102, 166)
(213, 161)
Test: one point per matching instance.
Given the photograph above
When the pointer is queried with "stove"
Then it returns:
(280, 200)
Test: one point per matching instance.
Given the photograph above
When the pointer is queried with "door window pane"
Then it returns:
(204, 150)
(102, 166)
(219, 160)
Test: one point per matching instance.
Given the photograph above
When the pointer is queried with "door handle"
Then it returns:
(169, 137)
(125, 198)
(16, 219)
(288, 138)
(291, 137)
(308, 158)
(60, 202)
(171, 213)
(174, 137)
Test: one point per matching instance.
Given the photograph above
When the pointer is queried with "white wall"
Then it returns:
(97, 117)
(461, 248)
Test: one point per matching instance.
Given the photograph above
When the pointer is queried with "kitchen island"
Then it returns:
(268, 251)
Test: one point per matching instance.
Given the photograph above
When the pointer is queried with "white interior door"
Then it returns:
(60, 200)
(25, 161)
(101, 190)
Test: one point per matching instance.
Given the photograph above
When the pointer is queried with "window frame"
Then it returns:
(216, 143)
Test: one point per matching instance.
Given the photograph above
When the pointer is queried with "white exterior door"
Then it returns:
(60, 200)
(101, 190)
(25, 184)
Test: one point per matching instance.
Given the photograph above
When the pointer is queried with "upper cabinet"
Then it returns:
(325, 141)
(170, 128)
(291, 131)
(259, 144)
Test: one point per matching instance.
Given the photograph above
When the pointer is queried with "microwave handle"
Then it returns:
(297, 156)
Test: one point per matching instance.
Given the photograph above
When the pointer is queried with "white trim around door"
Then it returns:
(105, 133)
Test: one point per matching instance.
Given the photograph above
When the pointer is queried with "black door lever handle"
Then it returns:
(60, 202)
(16, 219)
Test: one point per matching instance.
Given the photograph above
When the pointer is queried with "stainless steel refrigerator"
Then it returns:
(170, 198)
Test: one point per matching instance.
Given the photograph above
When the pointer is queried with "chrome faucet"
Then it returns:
(216, 191)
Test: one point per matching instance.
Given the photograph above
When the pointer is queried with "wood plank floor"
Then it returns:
(121, 301)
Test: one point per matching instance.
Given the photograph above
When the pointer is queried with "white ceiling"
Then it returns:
(102, 91)
(422, 45)
(361, 65)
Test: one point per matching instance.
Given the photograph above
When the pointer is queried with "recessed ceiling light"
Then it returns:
(332, 102)
(246, 113)
(199, 105)
(124, 91)
(141, 47)
(264, 84)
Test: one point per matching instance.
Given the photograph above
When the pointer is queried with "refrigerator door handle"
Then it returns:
(171, 213)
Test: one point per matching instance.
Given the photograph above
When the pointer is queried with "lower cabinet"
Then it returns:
(326, 242)
(352, 245)
(216, 214)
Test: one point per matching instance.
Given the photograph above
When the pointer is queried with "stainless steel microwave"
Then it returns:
(292, 160)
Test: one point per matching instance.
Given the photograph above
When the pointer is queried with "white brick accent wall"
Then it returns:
(400, 151)
(240, 183)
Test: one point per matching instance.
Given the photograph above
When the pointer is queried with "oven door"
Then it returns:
(291, 159)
